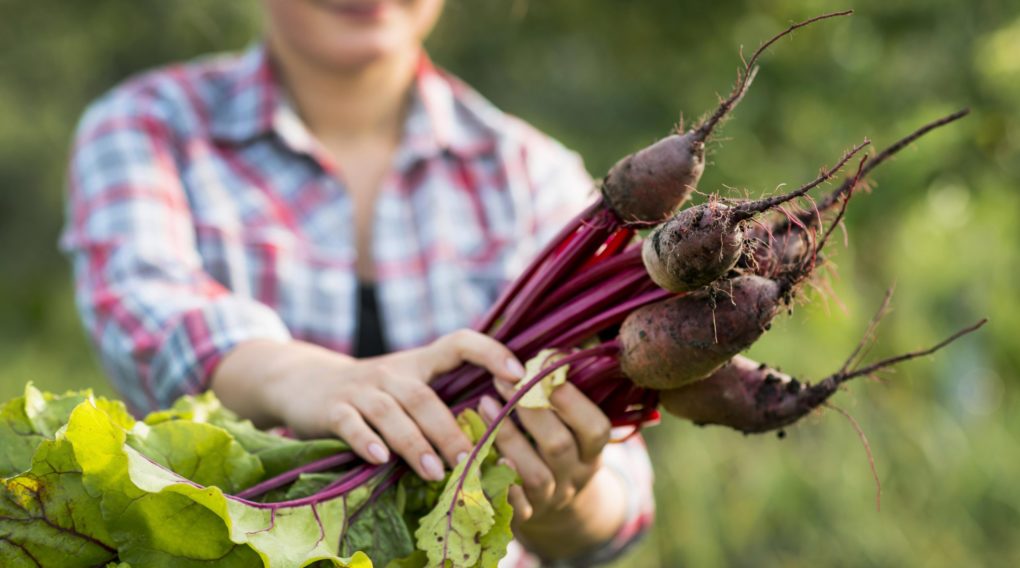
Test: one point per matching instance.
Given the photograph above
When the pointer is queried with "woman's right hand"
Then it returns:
(374, 404)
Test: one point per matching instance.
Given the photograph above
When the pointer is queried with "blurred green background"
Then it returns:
(607, 77)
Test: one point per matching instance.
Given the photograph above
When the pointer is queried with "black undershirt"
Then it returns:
(368, 338)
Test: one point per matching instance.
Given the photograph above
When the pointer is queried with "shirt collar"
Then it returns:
(249, 99)
(441, 117)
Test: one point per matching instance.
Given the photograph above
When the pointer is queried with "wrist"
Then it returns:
(259, 378)
(291, 368)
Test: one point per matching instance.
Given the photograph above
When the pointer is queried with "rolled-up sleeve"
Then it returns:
(159, 322)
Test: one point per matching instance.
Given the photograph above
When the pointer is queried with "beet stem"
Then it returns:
(329, 462)
(512, 290)
(584, 243)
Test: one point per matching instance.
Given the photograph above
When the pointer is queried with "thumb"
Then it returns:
(451, 350)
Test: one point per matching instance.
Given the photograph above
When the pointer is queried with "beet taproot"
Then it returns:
(680, 340)
(752, 397)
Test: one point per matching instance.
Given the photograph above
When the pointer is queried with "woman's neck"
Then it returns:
(343, 106)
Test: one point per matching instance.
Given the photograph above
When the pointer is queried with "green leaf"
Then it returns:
(159, 519)
(496, 482)
(202, 453)
(48, 519)
(18, 438)
(278, 453)
(538, 396)
(49, 412)
(380, 531)
(28, 420)
(203, 407)
(450, 534)
(417, 559)
(477, 532)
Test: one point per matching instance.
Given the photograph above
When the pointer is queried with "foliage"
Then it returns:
(608, 77)
(98, 486)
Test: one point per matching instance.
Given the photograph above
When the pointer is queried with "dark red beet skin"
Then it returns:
(695, 248)
(745, 396)
(647, 186)
(681, 340)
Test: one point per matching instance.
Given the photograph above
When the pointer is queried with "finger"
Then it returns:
(401, 433)
(346, 422)
(449, 351)
(536, 478)
(432, 416)
(555, 441)
(591, 427)
(558, 448)
(519, 501)
(516, 497)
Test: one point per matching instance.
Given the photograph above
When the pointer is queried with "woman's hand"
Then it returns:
(566, 502)
(374, 404)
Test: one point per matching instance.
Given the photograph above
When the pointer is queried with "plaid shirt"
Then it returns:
(202, 213)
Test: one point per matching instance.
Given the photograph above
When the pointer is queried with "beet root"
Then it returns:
(681, 340)
(694, 248)
(648, 185)
(745, 396)
(753, 398)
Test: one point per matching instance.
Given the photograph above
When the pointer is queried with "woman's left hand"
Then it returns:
(562, 460)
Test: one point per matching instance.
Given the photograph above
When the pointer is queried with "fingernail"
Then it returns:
(462, 456)
(515, 368)
(433, 469)
(378, 452)
(508, 463)
(489, 408)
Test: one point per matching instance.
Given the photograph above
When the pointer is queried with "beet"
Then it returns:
(743, 395)
(680, 340)
(648, 185)
(693, 249)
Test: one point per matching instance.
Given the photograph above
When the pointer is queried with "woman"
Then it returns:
(245, 223)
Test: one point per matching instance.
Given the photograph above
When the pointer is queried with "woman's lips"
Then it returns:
(359, 11)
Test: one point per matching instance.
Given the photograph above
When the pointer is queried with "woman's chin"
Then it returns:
(353, 53)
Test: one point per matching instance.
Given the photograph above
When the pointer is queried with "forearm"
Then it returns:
(592, 518)
(252, 379)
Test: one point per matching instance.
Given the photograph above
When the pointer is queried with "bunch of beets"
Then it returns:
(661, 320)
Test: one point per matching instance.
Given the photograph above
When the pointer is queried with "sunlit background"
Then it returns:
(607, 77)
